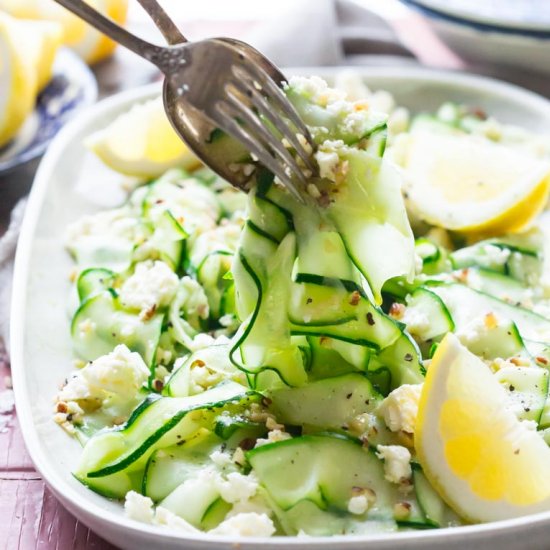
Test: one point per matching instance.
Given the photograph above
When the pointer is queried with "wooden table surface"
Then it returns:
(30, 516)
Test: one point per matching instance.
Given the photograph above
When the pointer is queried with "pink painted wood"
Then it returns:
(30, 516)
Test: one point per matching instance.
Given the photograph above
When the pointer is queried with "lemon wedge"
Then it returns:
(483, 461)
(142, 143)
(43, 39)
(472, 185)
(27, 52)
(90, 44)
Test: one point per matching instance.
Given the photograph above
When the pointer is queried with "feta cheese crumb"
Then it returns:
(495, 255)
(417, 321)
(238, 487)
(328, 158)
(400, 408)
(138, 507)
(249, 524)
(316, 90)
(120, 373)
(221, 459)
(358, 505)
(166, 518)
(201, 378)
(152, 285)
(273, 436)
(397, 462)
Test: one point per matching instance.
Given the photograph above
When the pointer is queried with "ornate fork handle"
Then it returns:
(161, 19)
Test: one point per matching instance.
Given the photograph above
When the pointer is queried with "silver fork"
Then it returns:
(221, 83)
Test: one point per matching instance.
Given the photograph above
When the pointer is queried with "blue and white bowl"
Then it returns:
(498, 32)
(73, 87)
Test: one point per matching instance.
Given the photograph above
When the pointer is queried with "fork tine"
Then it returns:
(227, 123)
(273, 92)
(267, 111)
(262, 133)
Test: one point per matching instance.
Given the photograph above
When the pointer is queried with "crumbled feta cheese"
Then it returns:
(201, 341)
(358, 505)
(316, 90)
(495, 255)
(166, 518)
(152, 285)
(238, 487)
(397, 462)
(227, 320)
(328, 158)
(138, 507)
(116, 224)
(416, 320)
(221, 459)
(478, 329)
(195, 301)
(364, 424)
(248, 524)
(400, 408)
(120, 373)
(191, 203)
(274, 436)
(255, 504)
(201, 378)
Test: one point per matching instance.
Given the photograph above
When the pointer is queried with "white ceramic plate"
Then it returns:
(41, 348)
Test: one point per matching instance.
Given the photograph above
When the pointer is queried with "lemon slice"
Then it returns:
(27, 53)
(470, 184)
(90, 44)
(43, 39)
(483, 461)
(142, 143)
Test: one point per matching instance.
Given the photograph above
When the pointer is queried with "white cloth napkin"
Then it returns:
(8, 243)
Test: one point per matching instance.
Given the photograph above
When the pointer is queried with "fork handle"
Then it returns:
(158, 55)
(162, 20)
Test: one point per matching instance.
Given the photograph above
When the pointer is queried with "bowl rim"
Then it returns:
(437, 10)
(91, 513)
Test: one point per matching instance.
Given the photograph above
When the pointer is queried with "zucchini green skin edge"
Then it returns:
(146, 444)
(381, 338)
(94, 280)
(323, 469)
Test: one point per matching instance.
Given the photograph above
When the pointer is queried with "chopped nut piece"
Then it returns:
(313, 191)
(272, 424)
(397, 310)
(401, 510)
(491, 321)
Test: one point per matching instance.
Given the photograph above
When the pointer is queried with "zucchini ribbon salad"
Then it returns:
(373, 359)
